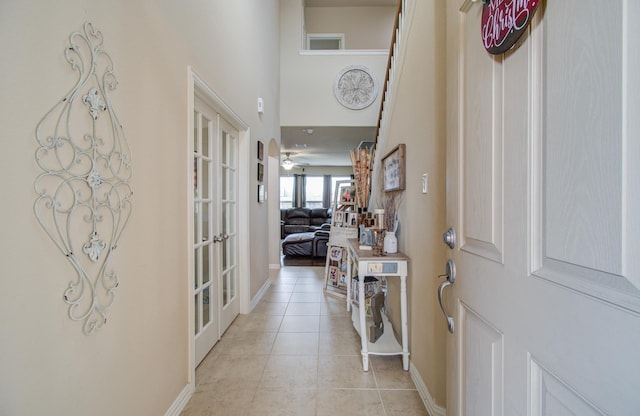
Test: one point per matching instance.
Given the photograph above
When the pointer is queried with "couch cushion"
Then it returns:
(298, 213)
(292, 228)
(319, 216)
(300, 244)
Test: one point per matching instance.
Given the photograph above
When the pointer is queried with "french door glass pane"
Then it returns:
(196, 140)
(205, 178)
(223, 182)
(232, 152)
(231, 185)
(225, 298)
(224, 150)
(224, 219)
(196, 267)
(197, 314)
(206, 272)
(206, 226)
(205, 136)
(206, 313)
(225, 262)
(196, 230)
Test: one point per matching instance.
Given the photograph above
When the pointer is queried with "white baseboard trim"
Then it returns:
(258, 297)
(432, 408)
(181, 401)
(274, 266)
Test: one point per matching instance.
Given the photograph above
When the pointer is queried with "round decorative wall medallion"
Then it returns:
(355, 87)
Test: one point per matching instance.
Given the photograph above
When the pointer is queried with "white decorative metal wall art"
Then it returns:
(84, 196)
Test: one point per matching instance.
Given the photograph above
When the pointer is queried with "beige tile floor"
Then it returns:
(298, 354)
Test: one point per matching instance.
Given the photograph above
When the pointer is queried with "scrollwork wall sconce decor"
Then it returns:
(83, 194)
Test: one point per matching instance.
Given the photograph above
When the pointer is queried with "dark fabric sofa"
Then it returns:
(302, 220)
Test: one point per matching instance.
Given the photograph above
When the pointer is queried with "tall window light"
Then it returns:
(286, 191)
(314, 194)
(313, 191)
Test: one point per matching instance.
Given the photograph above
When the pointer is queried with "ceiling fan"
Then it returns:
(287, 163)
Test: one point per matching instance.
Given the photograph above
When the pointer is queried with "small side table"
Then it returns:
(389, 265)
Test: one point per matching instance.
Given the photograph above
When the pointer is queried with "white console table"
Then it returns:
(389, 265)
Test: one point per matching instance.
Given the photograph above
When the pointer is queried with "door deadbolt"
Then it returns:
(449, 238)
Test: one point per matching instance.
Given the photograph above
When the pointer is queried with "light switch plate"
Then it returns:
(425, 183)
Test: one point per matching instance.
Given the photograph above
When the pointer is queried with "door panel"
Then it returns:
(480, 109)
(542, 192)
(483, 365)
(583, 226)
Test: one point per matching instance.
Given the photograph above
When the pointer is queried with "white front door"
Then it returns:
(543, 191)
(215, 272)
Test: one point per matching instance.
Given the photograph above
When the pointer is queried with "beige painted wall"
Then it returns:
(418, 120)
(363, 27)
(307, 79)
(138, 363)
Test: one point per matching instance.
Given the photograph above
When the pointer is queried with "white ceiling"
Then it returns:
(326, 146)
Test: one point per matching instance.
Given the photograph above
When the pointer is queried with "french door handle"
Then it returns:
(220, 238)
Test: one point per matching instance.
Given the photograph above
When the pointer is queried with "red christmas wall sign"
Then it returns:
(504, 21)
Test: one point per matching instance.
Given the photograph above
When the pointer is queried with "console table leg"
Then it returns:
(403, 317)
(363, 323)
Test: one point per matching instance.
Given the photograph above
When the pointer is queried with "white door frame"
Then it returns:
(197, 86)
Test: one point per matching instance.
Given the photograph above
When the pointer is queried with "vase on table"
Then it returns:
(390, 242)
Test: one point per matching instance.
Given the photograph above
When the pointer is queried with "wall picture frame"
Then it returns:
(260, 172)
(261, 194)
(260, 150)
(393, 166)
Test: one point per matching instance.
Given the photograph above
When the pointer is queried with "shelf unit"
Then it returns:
(387, 266)
(336, 264)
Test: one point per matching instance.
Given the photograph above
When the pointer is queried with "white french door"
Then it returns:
(215, 272)
(228, 244)
(543, 191)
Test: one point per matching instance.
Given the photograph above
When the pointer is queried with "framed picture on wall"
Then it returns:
(260, 150)
(393, 166)
(260, 172)
(261, 195)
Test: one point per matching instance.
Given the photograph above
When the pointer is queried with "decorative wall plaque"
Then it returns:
(355, 87)
(83, 195)
(504, 21)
